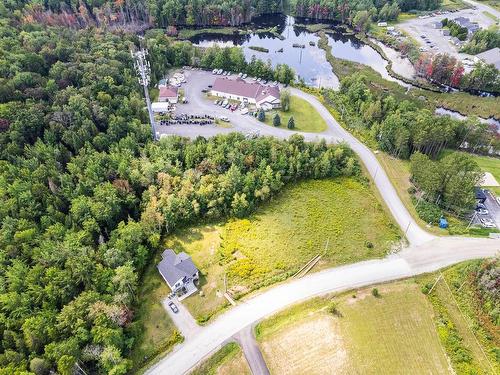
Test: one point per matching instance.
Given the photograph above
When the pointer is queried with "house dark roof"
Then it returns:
(168, 92)
(174, 267)
(242, 88)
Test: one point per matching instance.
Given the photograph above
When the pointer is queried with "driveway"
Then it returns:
(183, 319)
(251, 350)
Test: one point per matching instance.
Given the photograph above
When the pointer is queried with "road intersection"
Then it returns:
(425, 252)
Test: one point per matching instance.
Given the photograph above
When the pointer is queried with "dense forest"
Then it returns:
(163, 13)
(86, 196)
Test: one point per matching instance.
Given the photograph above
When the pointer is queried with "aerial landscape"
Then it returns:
(254, 187)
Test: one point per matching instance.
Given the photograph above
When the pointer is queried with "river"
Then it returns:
(309, 62)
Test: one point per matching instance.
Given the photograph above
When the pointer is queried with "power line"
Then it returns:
(143, 69)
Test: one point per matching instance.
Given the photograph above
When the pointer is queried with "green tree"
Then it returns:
(291, 123)
(285, 100)
(261, 116)
(276, 119)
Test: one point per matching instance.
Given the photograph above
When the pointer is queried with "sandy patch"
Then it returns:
(489, 180)
(313, 347)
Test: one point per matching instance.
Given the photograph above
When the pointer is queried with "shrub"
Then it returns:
(291, 123)
(375, 293)
(261, 116)
(333, 308)
(277, 120)
(429, 212)
(369, 244)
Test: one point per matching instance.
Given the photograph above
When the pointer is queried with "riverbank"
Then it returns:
(462, 102)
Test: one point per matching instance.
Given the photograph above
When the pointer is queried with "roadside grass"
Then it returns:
(306, 118)
(229, 360)
(390, 334)
(453, 4)
(157, 332)
(398, 171)
(490, 16)
(282, 236)
(492, 3)
(471, 340)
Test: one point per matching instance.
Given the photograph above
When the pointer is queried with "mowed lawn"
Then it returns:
(284, 235)
(306, 118)
(391, 334)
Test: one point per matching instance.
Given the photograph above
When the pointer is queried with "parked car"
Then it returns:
(204, 90)
(225, 101)
(480, 205)
(258, 79)
(481, 211)
(219, 72)
(498, 200)
(209, 86)
(173, 307)
(244, 76)
(224, 118)
(240, 74)
(264, 82)
(487, 223)
(216, 102)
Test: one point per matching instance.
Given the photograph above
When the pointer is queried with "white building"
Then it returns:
(253, 93)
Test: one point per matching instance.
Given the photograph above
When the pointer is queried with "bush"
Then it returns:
(375, 293)
(261, 116)
(276, 120)
(291, 123)
(429, 212)
(333, 308)
(369, 244)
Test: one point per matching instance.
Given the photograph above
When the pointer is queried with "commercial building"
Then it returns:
(492, 56)
(253, 93)
(168, 94)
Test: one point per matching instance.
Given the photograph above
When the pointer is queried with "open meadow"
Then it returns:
(340, 219)
(393, 333)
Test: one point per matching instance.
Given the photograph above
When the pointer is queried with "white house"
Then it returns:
(180, 273)
(253, 93)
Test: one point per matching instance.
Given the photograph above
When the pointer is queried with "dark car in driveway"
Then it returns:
(173, 307)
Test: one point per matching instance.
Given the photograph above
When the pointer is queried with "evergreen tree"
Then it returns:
(276, 120)
(261, 116)
(291, 123)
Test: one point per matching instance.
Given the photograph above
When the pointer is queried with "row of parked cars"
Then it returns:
(224, 103)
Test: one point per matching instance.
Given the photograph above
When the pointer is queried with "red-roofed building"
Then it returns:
(254, 92)
(168, 94)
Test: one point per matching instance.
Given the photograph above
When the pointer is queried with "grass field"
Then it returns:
(392, 334)
(306, 118)
(282, 236)
(229, 360)
(471, 340)
(159, 334)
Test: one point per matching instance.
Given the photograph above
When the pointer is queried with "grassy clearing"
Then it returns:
(158, 332)
(282, 236)
(228, 360)
(306, 118)
(392, 334)
(471, 340)
(188, 33)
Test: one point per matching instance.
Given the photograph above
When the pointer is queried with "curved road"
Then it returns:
(425, 253)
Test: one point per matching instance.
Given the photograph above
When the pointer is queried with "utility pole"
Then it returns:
(143, 69)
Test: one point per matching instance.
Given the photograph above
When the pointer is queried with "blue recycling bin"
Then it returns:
(443, 223)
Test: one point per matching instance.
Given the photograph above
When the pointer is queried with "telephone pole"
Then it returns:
(143, 69)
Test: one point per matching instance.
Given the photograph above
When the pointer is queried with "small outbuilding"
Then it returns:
(179, 272)
(168, 94)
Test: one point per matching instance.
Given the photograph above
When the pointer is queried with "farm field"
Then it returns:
(393, 333)
(306, 118)
(229, 360)
(282, 236)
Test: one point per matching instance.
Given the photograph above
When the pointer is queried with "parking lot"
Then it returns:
(490, 211)
(433, 40)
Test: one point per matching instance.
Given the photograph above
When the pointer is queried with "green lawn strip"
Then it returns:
(282, 236)
(306, 118)
(394, 333)
(462, 325)
(157, 332)
(213, 364)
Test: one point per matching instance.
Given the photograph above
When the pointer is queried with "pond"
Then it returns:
(458, 116)
(309, 62)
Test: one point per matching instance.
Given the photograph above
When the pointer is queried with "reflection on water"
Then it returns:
(309, 62)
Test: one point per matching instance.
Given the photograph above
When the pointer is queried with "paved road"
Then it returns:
(427, 257)
(484, 8)
(252, 351)
(426, 253)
